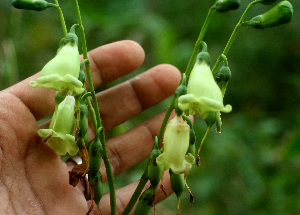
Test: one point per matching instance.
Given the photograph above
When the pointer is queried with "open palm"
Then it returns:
(33, 179)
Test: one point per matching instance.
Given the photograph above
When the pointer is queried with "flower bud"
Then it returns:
(154, 172)
(36, 5)
(84, 120)
(95, 156)
(177, 185)
(63, 70)
(227, 5)
(280, 14)
(223, 75)
(181, 90)
(61, 129)
(176, 144)
(203, 94)
(98, 189)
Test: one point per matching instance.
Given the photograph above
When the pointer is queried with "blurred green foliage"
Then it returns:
(253, 166)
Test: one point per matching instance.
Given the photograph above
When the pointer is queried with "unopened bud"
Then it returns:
(280, 14)
(36, 5)
(223, 75)
(227, 5)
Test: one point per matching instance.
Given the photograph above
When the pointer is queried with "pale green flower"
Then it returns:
(203, 94)
(176, 143)
(60, 132)
(62, 71)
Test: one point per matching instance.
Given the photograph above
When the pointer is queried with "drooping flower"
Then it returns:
(59, 136)
(176, 144)
(62, 71)
(203, 94)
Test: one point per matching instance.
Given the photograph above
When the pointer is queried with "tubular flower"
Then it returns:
(59, 136)
(62, 71)
(176, 143)
(203, 94)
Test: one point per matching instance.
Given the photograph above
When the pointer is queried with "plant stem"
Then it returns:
(109, 173)
(233, 35)
(137, 192)
(61, 16)
(198, 42)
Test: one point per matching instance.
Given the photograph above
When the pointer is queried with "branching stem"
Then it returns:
(233, 35)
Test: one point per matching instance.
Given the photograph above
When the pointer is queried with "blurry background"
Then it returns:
(253, 166)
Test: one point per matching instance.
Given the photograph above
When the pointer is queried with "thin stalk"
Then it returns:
(198, 42)
(62, 20)
(137, 192)
(233, 35)
(109, 173)
(92, 111)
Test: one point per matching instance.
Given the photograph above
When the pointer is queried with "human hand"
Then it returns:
(33, 179)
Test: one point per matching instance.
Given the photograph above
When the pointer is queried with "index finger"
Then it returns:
(108, 63)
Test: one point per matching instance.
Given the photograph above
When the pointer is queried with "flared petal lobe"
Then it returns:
(62, 71)
(203, 94)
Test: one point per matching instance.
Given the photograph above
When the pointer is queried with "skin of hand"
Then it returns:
(33, 179)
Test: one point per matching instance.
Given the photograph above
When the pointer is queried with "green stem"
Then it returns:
(61, 16)
(233, 35)
(91, 111)
(198, 42)
(137, 192)
(109, 173)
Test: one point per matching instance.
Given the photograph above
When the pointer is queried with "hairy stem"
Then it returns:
(109, 173)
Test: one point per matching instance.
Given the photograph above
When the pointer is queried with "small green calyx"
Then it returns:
(280, 14)
(176, 143)
(226, 5)
(71, 36)
(59, 136)
(203, 56)
(210, 118)
(37, 5)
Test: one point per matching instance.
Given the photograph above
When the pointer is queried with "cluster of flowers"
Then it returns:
(61, 74)
(202, 96)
